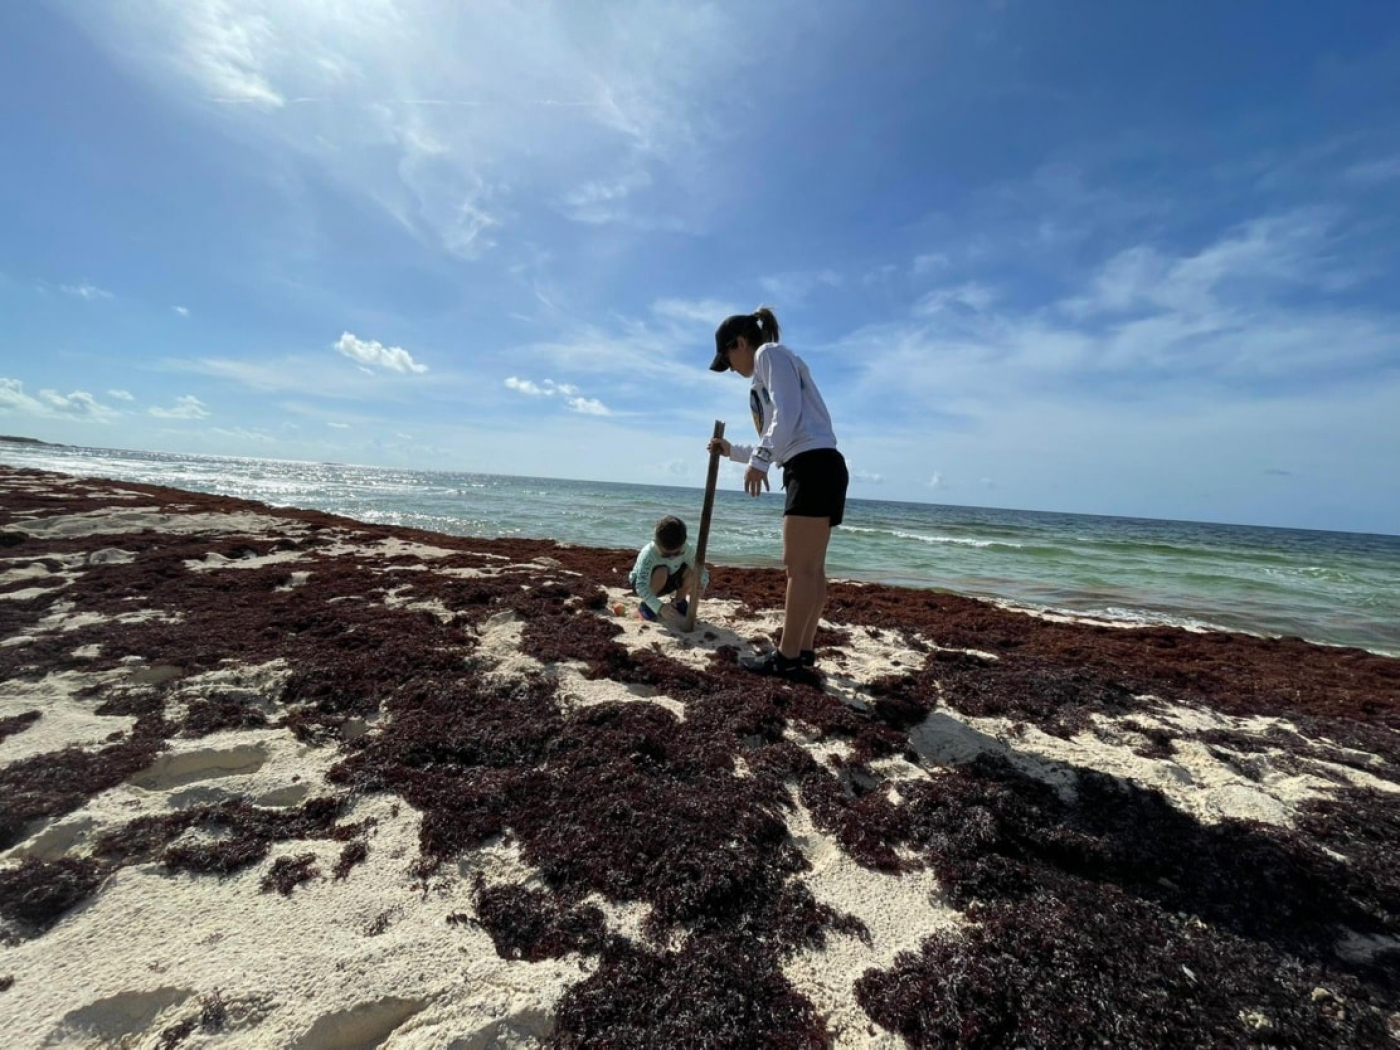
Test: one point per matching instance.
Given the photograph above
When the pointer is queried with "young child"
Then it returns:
(664, 566)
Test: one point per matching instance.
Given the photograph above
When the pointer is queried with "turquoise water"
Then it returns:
(1332, 587)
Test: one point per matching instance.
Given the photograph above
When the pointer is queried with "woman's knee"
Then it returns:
(806, 568)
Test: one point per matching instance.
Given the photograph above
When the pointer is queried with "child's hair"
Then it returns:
(670, 533)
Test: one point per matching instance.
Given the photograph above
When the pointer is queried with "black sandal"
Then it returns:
(772, 662)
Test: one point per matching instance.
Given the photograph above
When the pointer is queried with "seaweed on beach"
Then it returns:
(56, 783)
(720, 992)
(229, 836)
(204, 717)
(615, 799)
(287, 873)
(1161, 743)
(18, 723)
(1056, 698)
(1084, 913)
(533, 925)
(37, 893)
(212, 1016)
(1085, 966)
(351, 854)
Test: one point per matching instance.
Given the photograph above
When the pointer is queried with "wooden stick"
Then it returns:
(704, 536)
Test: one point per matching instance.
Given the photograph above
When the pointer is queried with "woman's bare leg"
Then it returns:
(804, 556)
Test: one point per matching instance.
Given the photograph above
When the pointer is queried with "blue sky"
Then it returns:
(1097, 256)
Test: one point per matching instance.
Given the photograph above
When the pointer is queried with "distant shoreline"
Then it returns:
(30, 441)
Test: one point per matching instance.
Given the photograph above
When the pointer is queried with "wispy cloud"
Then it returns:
(242, 435)
(376, 354)
(1240, 312)
(181, 310)
(793, 289)
(186, 407)
(84, 290)
(600, 202)
(704, 313)
(121, 395)
(1375, 172)
(456, 120)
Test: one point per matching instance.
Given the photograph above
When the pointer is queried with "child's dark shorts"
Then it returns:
(672, 584)
(816, 484)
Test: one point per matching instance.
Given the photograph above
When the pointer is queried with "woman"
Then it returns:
(794, 431)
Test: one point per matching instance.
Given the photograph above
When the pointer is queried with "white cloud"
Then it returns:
(87, 291)
(589, 406)
(121, 395)
(223, 47)
(549, 388)
(338, 426)
(523, 386)
(181, 310)
(186, 407)
(935, 480)
(50, 404)
(370, 352)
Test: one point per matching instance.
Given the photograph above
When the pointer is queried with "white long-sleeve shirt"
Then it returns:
(788, 410)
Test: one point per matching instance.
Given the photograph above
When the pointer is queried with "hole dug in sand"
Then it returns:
(524, 1030)
(189, 767)
(366, 1025)
(114, 1021)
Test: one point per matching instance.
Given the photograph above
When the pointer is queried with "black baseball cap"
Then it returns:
(730, 329)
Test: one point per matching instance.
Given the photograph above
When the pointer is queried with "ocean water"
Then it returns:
(1331, 587)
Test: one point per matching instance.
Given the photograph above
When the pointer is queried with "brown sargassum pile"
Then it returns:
(1112, 920)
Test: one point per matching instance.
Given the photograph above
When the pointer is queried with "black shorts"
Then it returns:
(816, 485)
(672, 584)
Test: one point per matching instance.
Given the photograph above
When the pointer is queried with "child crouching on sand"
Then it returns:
(664, 566)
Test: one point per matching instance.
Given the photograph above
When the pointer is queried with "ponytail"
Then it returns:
(768, 325)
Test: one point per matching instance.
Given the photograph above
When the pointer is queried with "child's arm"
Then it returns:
(641, 577)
